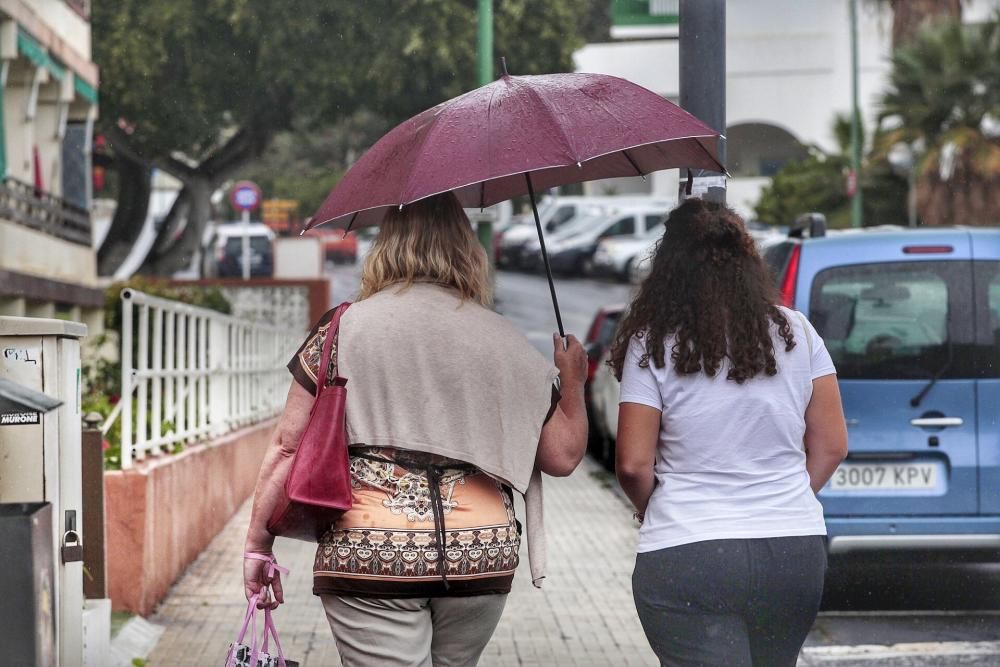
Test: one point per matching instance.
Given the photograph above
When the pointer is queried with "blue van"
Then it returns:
(912, 321)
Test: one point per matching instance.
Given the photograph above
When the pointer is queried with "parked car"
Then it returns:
(599, 337)
(912, 321)
(620, 257)
(763, 235)
(225, 250)
(558, 215)
(573, 253)
(338, 247)
(554, 213)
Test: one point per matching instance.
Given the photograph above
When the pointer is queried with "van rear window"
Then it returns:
(899, 320)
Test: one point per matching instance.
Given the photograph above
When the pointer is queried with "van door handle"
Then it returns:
(938, 422)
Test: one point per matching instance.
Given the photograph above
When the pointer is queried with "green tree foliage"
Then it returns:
(200, 87)
(813, 184)
(943, 100)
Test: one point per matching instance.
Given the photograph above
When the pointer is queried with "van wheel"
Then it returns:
(626, 275)
(633, 274)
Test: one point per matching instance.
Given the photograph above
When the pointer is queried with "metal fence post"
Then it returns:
(126, 396)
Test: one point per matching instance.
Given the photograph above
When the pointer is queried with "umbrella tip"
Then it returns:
(503, 65)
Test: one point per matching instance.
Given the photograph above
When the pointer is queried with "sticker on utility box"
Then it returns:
(17, 418)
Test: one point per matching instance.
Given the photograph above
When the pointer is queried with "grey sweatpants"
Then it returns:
(413, 632)
(731, 603)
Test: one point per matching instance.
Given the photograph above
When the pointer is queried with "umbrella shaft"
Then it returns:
(545, 255)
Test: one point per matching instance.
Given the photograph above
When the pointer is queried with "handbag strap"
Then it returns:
(247, 617)
(271, 631)
(324, 361)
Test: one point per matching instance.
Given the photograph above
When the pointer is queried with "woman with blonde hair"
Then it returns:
(449, 410)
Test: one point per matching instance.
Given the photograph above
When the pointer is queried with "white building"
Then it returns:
(788, 66)
(48, 105)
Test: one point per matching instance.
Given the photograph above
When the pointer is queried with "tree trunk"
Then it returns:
(909, 16)
(178, 243)
(134, 187)
(182, 230)
(964, 191)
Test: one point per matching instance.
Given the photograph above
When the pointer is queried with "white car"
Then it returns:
(639, 269)
(572, 252)
(620, 257)
(604, 391)
(559, 217)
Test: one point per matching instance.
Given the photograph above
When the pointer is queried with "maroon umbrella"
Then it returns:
(517, 134)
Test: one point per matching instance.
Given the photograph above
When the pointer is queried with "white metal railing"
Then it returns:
(195, 373)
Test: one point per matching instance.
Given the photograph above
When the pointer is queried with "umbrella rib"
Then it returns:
(566, 138)
(489, 147)
(632, 162)
(423, 145)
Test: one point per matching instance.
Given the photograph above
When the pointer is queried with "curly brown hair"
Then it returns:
(710, 289)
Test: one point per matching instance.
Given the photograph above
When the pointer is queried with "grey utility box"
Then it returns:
(27, 600)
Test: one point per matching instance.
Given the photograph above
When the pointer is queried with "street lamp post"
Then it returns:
(856, 210)
(702, 69)
(484, 230)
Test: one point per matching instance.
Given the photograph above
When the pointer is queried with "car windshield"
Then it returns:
(258, 244)
(900, 320)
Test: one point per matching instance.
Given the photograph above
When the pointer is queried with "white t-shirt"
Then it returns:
(730, 462)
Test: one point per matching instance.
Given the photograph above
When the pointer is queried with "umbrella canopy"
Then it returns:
(559, 128)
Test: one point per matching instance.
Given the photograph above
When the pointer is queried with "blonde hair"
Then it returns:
(430, 241)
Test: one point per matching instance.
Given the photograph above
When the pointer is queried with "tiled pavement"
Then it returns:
(582, 616)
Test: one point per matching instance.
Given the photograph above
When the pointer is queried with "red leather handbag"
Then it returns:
(318, 488)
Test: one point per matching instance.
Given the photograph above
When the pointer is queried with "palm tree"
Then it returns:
(909, 16)
(943, 100)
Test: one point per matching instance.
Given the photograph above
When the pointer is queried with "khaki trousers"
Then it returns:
(413, 632)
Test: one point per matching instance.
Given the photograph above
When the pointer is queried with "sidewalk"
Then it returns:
(582, 616)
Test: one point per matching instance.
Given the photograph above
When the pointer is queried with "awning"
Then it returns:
(84, 89)
(31, 48)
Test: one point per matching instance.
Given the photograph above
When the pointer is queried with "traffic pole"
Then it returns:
(702, 63)
(246, 245)
(856, 208)
(484, 230)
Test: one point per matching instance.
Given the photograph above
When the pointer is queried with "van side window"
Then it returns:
(900, 320)
(562, 214)
(652, 221)
(623, 227)
(988, 317)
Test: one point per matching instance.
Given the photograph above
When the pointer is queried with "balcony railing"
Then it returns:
(20, 202)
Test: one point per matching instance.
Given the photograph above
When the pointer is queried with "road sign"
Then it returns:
(245, 196)
(851, 183)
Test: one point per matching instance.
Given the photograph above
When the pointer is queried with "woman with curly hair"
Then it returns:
(730, 422)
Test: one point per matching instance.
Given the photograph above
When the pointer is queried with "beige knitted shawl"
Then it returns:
(432, 373)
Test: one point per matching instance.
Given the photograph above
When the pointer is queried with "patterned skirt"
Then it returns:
(405, 504)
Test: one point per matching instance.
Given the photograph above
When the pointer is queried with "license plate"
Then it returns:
(884, 477)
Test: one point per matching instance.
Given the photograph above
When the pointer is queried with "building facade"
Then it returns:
(48, 107)
(788, 76)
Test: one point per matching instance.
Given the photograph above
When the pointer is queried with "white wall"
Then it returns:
(69, 25)
(787, 62)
